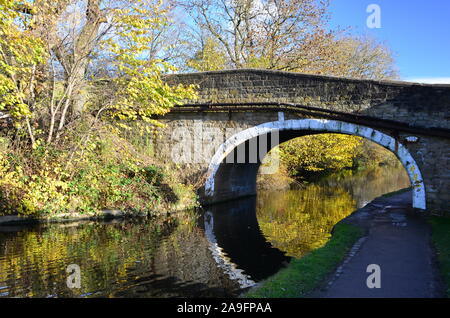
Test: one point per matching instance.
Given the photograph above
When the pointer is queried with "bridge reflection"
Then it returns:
(237, 243)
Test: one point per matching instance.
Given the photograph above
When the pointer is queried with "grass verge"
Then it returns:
(305, 274)
(440, 227)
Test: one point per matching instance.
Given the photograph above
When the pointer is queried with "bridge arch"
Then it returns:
(314, 126)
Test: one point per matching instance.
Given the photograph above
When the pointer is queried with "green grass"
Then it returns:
(305, 274)
(440, 227)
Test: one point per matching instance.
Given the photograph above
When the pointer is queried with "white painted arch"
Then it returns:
(323, 125)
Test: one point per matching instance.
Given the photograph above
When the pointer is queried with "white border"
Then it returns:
(324, 125)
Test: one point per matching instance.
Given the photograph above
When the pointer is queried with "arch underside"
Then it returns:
(231, 180)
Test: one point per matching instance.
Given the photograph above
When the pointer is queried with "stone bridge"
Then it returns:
(240, 113)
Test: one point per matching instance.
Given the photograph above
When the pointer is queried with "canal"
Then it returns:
(215, 252)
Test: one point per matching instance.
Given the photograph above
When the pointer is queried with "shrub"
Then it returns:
(80, 177)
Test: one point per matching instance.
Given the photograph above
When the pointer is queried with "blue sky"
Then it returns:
(417, 31)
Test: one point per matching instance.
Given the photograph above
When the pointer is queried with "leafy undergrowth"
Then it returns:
(305, 274)
(441, 239)
(83, 176)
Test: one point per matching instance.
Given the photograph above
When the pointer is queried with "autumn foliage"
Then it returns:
(59, 151)
(75, 75)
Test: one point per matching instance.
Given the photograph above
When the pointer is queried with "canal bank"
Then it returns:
(216, 252)
(386, 232)
(183, 198)
(104, 215)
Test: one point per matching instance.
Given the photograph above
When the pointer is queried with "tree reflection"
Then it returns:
(298, 221)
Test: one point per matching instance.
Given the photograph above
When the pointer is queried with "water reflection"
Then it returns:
(297, 221)
(141, 258)
(237, 233)
(211, 254)
(366, 185)
(215, 253)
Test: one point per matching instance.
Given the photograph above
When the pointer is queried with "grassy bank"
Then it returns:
(305, 274)
(441, 239)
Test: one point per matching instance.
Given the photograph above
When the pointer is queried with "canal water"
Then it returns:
(216, 252)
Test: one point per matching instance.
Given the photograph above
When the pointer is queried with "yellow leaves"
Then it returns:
(42, 193)
(298, 221)
(141, 92)
(30, 191)
(20, 110)
(134, 26)
(36, 144)
(210, 58)
(20, 52)
(120, 125)
(320, 152)
(12, 100)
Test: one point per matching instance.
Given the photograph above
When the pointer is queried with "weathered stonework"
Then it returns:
(416, 104)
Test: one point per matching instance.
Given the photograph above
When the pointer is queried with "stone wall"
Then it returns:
(418, 104)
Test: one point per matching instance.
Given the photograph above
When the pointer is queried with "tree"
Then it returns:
(21, 52)
(208, 58)
(48, 46)
(360, 57)
(268, 34)
(319, 153)
(289, 35)
(357, 57)
(79, 162)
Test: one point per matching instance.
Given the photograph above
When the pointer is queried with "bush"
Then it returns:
(153, 174)
(319, 153)
(309, 157)
(104, 173)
